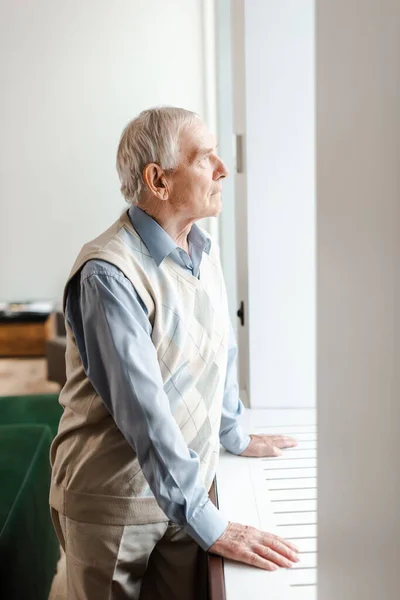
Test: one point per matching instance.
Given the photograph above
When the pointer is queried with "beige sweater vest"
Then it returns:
(96, 476)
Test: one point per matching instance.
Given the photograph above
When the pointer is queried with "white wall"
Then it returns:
(280, 170)
(73, 74)
(358, 191)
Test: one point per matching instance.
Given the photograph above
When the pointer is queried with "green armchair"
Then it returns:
(29, 549)
(45, 409)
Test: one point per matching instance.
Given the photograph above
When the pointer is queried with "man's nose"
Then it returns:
(222, 170)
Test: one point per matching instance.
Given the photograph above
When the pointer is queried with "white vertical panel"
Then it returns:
(239, 127)
(358, 149)
(210, 88)
(279, 68)
(225, 135)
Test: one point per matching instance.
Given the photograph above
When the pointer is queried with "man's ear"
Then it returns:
(156, 181)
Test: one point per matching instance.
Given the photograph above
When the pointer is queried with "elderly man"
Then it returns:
(151, 385)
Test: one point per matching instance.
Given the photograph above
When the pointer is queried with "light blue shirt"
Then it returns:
(113, 334)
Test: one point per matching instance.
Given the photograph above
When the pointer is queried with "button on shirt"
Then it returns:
(107, 315)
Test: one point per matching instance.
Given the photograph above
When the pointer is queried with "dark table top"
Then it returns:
(23, 317)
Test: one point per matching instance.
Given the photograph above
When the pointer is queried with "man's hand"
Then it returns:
(254, 547)
(268, 445)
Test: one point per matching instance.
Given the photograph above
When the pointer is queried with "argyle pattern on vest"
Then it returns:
(189, 319)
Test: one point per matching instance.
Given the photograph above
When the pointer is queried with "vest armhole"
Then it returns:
(139, 286)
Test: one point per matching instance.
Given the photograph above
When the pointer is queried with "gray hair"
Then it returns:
(152, 137)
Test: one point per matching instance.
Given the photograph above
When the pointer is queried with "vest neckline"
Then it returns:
(168, 261)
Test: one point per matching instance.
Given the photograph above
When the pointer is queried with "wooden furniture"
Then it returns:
(25, 338)
(277, 495)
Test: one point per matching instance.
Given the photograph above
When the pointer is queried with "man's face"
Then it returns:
(197, 182)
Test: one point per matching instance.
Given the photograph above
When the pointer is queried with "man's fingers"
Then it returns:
(255, 560)
(283, 441)
(279, 540)
(282, 547)
(254, 547)
(276, 451)
(279, 559)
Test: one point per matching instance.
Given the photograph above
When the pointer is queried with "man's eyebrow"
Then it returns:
(201, 151)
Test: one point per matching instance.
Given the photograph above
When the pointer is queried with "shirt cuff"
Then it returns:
(235, 440)
(206, 525)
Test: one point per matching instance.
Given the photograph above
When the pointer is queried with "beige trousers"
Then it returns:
(157, 561)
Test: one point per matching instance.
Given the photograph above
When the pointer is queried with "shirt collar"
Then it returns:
(158, 242)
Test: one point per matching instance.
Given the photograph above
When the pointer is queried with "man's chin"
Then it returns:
(214, 213)
(216, 208)
(218, 211)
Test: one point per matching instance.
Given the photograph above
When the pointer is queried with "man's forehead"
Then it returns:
(197, 138)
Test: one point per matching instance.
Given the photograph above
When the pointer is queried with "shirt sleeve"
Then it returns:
(114, 339)
(231, 434)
